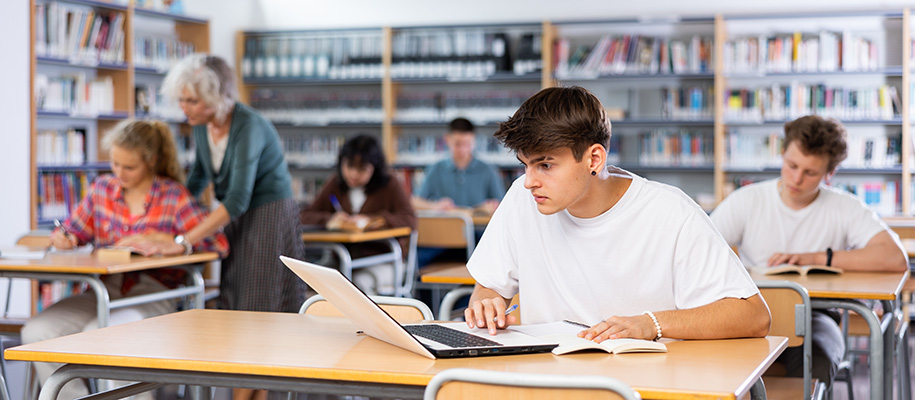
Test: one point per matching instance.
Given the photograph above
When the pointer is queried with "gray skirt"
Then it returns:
(253, 277)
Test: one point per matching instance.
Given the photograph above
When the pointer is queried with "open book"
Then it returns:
(362, 225)
(23, 252)
(794, 269)
(566, 335)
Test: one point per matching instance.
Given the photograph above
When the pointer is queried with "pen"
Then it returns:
(336, 203)
(62, 228)
(577, 324)
(508, 311)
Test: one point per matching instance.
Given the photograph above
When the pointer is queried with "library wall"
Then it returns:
(295, 14)
(14, 114)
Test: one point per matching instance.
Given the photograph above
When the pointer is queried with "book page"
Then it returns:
(22, 253)
(549, 328)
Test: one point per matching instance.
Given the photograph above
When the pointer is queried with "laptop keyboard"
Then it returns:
(449, 337)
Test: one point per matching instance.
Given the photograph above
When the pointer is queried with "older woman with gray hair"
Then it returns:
(239, 152)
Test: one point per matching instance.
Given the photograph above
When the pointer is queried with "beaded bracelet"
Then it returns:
(656, 324)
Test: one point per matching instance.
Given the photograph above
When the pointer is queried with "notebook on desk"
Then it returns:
(375, 322)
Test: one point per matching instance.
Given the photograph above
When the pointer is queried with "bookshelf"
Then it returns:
(689, 104)
(849, 66)
(401, 84)
(93, 64)
(656, 79)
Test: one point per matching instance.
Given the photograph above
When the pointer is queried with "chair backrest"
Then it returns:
(461, 383)
(445, 229)
(789, 305)
(35, 239)
(403, 310)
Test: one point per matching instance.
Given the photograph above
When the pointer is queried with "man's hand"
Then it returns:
(635, 327)
(487, 310)
(797, 259)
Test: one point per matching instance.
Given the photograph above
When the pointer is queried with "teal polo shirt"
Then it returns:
(468, 187)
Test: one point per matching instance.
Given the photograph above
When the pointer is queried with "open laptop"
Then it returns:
(375, 322)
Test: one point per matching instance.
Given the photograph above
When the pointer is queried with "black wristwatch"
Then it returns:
(828, 256)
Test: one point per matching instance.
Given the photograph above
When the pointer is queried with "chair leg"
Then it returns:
(902, 362)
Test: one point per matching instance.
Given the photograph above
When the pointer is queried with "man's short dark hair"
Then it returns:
(460, 125)
(554, 118)
(818, 136)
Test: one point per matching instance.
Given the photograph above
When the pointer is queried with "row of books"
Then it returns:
(76, 94)
(785, 102)
(159, 53)
(687, 102)
(318, 108)
(801, 52)
(430, 148)
(462, 53)
(882, 196)
(754, 150)
(61, 147)
(319, 151)
(305, 188)
(50, 292)
(150, 103)
(683, 148)
(60, 192)
(85, 36)
(480, 107)
(633, 54)
(355, 55)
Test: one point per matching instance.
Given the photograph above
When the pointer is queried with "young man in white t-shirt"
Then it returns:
(797, 220)
(578, 240)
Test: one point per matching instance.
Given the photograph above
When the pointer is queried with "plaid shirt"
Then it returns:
(103, 218)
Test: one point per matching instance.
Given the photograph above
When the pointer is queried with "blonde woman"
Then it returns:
(142, 199)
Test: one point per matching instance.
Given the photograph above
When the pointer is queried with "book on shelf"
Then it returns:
(633, 54)
(802, 270)
(61, 147)
(78, 34)
(60, 192)
(75, 94)
(343, 55)
(787, 102)
(50, 292)
(566, 335)
(822, 51)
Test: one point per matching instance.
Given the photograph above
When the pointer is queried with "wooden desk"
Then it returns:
(87, 268)
(453, 275)
(335, 241)
(292, 352)
(846, 291)
(456, 279)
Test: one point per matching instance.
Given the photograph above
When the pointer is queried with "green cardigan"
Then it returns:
(253, 171)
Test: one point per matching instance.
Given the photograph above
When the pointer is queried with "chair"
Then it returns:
(449, 230)
(403, 310)
(462, 383)
(789, 305)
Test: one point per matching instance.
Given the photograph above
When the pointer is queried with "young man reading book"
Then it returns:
(795, 219)
(579, 240)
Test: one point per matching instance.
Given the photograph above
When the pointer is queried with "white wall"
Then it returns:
(14, 114)
(226, 18)
(298, 14)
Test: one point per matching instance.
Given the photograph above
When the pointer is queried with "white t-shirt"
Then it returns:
(756, 220)
(357, 198)
(654, 250)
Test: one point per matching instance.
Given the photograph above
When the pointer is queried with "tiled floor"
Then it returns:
(861, 380)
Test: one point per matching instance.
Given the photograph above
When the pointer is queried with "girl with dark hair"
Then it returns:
(361, 190)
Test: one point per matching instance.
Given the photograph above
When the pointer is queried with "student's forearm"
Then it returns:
(725, 318)
(883, 257)
(215, 221)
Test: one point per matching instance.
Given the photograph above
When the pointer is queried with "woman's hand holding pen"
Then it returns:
(62, 239)
(636, 327)
(491, 313)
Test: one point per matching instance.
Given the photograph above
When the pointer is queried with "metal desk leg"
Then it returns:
(877, 349)
(758, 391)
